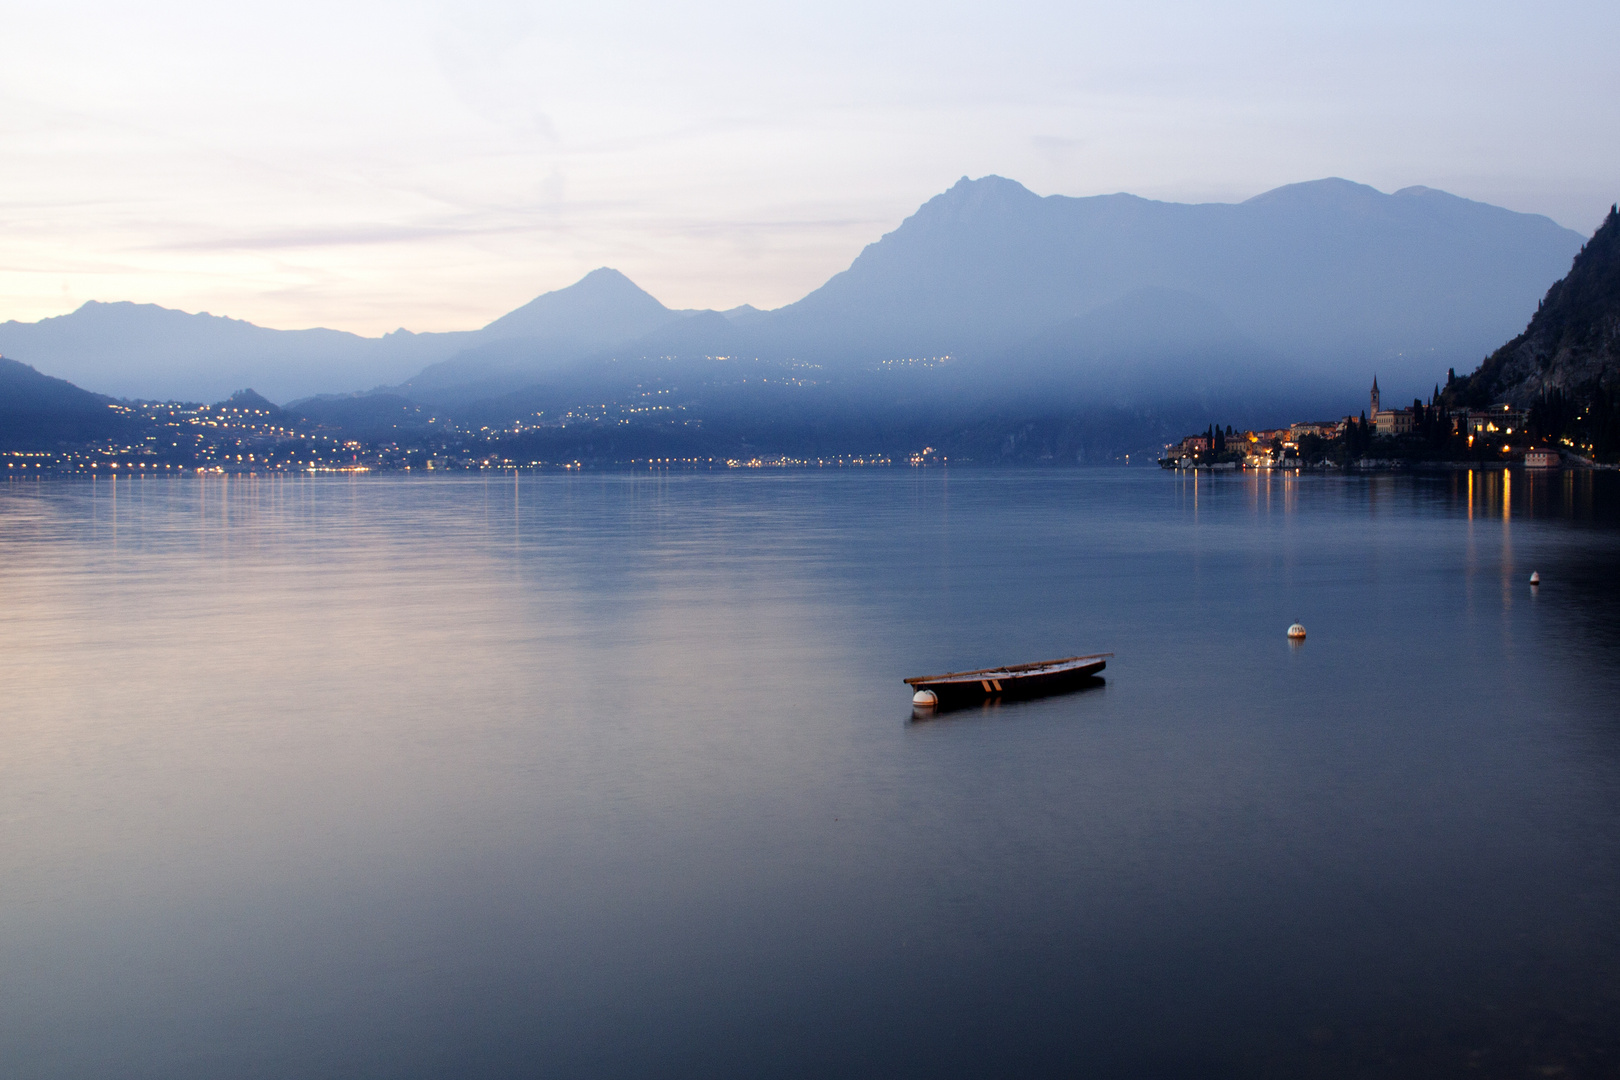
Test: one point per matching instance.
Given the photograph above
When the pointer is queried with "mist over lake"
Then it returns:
(615, 775)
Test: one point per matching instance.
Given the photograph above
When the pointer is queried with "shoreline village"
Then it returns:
(1441, 432)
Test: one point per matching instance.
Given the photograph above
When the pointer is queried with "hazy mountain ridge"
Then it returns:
(1328, 271)
(1313, 283)
(601, 311)
(1319, 282)
(146, 351)
(602, 308)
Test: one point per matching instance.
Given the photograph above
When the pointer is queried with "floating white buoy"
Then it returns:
(1535, 577)
(925, 699)
(1296, 631)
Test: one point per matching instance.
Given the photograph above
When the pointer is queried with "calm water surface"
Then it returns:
(614, 776)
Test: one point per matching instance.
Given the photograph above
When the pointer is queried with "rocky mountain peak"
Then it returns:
(1572, 343)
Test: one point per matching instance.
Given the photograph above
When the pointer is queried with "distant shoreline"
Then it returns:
(1398, 465)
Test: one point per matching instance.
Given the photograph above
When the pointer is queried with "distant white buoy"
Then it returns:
(925, 699)
(1296, 631)
(1535, 577)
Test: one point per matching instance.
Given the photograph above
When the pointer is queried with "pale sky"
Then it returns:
(432, 165)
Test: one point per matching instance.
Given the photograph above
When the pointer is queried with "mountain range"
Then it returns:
(1115, 299)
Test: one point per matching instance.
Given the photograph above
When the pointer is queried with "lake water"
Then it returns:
(614, 776)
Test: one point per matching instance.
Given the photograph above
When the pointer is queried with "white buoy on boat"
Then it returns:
(1296, 631)
(925, 699)
(1535, 577)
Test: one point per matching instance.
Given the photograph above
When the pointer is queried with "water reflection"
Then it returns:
(601, 775)
(998, 704)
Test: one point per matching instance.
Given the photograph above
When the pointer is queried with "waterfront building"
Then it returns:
(1389, 421)
(1540, 458)
(1393, 421)
(1499, 419)
(1326, 429)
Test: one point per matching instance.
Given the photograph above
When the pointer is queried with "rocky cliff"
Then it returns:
(1572, 345)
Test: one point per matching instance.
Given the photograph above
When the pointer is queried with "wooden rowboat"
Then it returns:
(1013, 681)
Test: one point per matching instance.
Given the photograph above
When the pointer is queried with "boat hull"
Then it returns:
(1012, 683)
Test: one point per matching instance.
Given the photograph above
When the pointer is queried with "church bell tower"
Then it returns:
(1374, 397)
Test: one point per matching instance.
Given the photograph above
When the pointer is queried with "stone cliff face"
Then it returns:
(1573, 341)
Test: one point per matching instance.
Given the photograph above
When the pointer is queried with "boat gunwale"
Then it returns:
(1012, 670)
